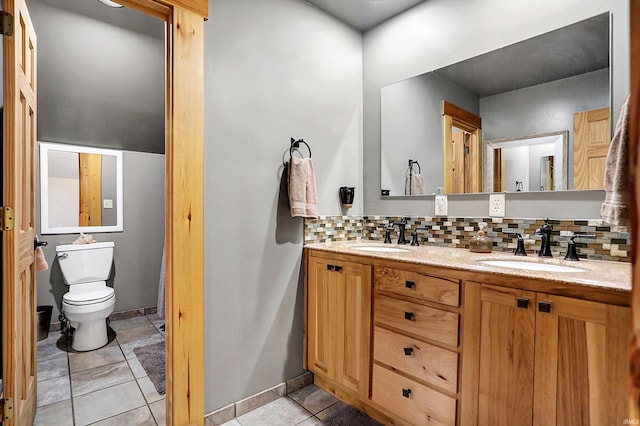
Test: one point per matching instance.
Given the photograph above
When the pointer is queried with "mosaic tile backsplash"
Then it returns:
(611, 242)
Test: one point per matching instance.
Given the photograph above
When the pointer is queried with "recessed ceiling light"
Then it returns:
(110, 3)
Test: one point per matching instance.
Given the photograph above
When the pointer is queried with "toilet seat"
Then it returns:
(88, 297)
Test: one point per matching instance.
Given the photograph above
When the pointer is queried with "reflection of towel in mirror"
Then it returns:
(615, 209)
(302, 188)
(414, 185)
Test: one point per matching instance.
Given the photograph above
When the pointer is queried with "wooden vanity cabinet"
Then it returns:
(415, 353)
(339, 322)
(538, 359)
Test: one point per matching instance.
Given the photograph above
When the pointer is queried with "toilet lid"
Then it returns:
(88, 297)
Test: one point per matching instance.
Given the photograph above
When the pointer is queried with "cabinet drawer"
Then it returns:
(434, 324)
(414, 402)
(433, 289)
(427, 362)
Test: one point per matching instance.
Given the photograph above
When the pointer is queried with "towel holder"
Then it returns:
(295, 144)
(411, 163)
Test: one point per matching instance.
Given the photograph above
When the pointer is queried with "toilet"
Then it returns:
(89, 301)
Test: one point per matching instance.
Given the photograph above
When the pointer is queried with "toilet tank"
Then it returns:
(85, 263)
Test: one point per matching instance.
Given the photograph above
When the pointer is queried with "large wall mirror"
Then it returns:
(557, 83)
(80, 189)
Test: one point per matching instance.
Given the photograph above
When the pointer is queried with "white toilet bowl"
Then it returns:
(85, 268)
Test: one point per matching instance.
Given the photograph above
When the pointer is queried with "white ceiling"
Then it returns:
(364, 14)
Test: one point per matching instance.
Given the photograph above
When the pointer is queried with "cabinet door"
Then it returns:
(498, 349)
(354, 326)
(322, 317)
(581, 362)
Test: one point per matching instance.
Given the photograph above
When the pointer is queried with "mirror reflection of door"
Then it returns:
(546, 173)
(462, 150)
(90, 189)
(591, 138)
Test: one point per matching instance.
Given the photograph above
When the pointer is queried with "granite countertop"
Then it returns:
(594, 273)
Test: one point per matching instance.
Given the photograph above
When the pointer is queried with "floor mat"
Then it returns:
(152, 359)
(349, 416)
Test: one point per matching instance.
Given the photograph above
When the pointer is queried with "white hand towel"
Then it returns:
(303, 201)
(616, 207)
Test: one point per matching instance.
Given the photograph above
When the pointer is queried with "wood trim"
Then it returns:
(634, 173)
(185, 221)
(461, 115)
(447, 136)
(162, 9)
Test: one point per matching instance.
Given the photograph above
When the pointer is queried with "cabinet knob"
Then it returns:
(409, 316)
(523, 302)
(338, 268)
(409, 284)
(330, 267)
(408, 351)
(406, 393)
(544, 307)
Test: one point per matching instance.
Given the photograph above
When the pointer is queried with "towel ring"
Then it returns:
(295, 144)
(411, 163)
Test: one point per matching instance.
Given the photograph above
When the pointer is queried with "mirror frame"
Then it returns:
(491, 145)
(45, 228)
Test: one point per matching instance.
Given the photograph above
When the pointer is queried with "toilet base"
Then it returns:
(89, 335)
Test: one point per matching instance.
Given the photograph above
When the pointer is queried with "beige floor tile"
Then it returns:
(129, 323)
(94, 379)
(159, 410)
(106, 403)
(58, 414)
(53, 390)
(109, 354)
(313, 399)
(281, 412)
(138, 333)
(137, 417)
(149, 390)
(51, 368)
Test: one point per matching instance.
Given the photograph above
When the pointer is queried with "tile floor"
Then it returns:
(308, 406)
(108, 386)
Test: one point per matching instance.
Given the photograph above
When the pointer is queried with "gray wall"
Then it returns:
(423, 39)
(98, 84)
(273, 70)
(412, 128)
(545, 108)
(138, 249)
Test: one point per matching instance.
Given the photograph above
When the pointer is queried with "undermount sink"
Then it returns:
(531, 266)
(380, 249)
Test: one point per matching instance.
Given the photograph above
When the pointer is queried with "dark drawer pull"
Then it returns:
(409, 316)
(523, 302)
(409, 284)
(408, 351)
(406, 393)
(544, 307)
(330, 267)
(338, 268)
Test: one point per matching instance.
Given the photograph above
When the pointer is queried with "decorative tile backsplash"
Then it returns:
(611, 243)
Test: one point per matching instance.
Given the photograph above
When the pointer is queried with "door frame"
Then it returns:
(184, 203)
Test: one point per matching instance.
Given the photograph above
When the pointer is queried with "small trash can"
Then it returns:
(44, 321)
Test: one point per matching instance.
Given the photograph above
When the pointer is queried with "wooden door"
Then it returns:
(354, 326)
(591, 138)
(581, 362)
(462, 156)
(497, 373)
(322, 317)
(18, 273)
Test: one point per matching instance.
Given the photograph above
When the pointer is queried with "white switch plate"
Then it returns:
(441, 205)
(107, 204)
(496, 205)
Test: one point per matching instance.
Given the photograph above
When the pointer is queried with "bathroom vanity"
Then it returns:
(440, 336)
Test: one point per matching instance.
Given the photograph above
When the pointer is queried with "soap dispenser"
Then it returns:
(480, 243)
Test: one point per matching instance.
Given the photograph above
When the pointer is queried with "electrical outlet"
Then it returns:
(496, 205)
(441, 205)
(107, 204)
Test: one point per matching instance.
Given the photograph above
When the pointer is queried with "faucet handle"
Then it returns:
(414, 235)
(587, 236)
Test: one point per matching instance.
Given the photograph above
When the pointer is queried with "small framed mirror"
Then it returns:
(80, 189)
(529, 163)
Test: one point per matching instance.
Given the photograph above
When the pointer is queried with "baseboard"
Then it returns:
(237, 409)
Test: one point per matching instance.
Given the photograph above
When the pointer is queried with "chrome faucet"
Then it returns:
(545, 231)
